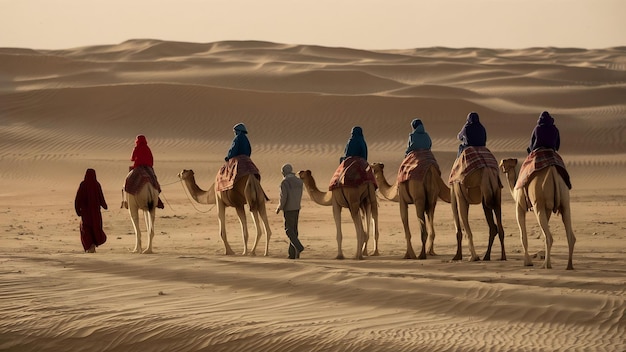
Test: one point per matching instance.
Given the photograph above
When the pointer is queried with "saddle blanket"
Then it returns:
(352, 172)
(471, 158)
(415, 165)
(233, 170)
(138, 177)
(537, 160)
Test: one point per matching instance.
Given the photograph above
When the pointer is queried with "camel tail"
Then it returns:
(553, 174)
(490, 183)
(124, 200)
(444, 190)
(253, 193)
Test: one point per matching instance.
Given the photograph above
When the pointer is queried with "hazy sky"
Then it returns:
(365, 24)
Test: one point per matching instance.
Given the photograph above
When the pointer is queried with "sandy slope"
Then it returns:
(63, 111)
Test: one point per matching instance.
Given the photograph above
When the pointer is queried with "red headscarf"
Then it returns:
(142, 155)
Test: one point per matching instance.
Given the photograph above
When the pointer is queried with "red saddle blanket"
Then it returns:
(352, 172)
(416, 164)
(233, 170)
(138, 177)
(539, 159)
(471, 158)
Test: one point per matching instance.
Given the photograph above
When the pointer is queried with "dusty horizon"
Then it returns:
(370, 25)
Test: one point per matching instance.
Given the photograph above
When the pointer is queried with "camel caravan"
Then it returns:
(540, 186)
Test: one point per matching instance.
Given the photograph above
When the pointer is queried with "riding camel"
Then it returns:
(246, 190)
(146, 199)
(360, 200)
(547, 192)
(422, 193)
(480, 185)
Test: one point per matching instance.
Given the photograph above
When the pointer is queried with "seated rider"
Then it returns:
(545, 134)
(472, 134)
(419, 138)
(142, 156)
(241, 144)
(356, 145)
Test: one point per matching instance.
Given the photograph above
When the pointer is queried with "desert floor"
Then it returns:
(67, 110)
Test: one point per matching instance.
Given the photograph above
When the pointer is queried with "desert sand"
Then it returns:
(63, 111)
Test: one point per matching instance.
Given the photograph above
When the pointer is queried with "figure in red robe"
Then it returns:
(142, 157)
(89, 199)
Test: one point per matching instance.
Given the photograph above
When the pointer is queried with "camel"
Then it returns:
(247, 190)
(482, 185)
(547, 193)
(359, 200)
(424, 195)
(145, 199)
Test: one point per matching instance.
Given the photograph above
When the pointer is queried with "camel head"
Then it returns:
(305, 174)
(185, 174)
(506, 165)
(307, 177)
(377, 167)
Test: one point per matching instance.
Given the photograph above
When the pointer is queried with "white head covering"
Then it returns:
(287, 169)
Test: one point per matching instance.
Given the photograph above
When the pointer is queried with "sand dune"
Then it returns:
(62, 111)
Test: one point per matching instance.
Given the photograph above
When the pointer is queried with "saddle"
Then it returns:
(233, 170)
(471, 158)
(539, 159)
(352, 172)
(138, 177)
(416, 164)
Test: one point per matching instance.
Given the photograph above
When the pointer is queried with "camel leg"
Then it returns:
(241, 214)
(375, 224)
(542, 219)
(221, 218)
(498, 212)
(337, 217)
(569, 232)
(521, 223)
(457, 225)
(464, 213)
(430, 225)
(149, 217)
(493, 229)
(423, 233)
(367, 211)
(134, 216)
(257, 226)
(355, 212)
(268, 230)
(430, 204)
(404, 215)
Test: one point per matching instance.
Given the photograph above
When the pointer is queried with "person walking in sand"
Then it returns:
(472, 134)
(89, 199)
(419, 138)
(545, 134)
(241, 144)
(290, 199)
(356, 145)
(142, 157)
